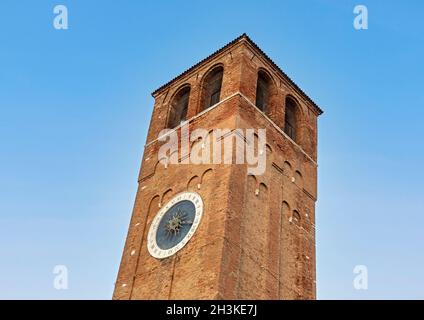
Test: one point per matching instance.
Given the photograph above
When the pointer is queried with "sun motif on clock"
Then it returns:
(174, 225)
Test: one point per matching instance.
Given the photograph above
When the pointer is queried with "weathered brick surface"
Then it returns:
(247, 246)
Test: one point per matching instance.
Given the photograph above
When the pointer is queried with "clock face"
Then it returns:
(174, 224)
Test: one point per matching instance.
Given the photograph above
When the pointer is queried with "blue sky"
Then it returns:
(75, 106)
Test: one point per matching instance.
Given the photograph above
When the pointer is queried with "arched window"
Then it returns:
(263, 91)
(291, 119)
(179, 106)
(296, 217)
(211, 91)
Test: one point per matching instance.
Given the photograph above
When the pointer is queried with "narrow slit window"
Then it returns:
(290, 122)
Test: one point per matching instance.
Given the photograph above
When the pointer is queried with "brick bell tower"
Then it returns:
(213, 231)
